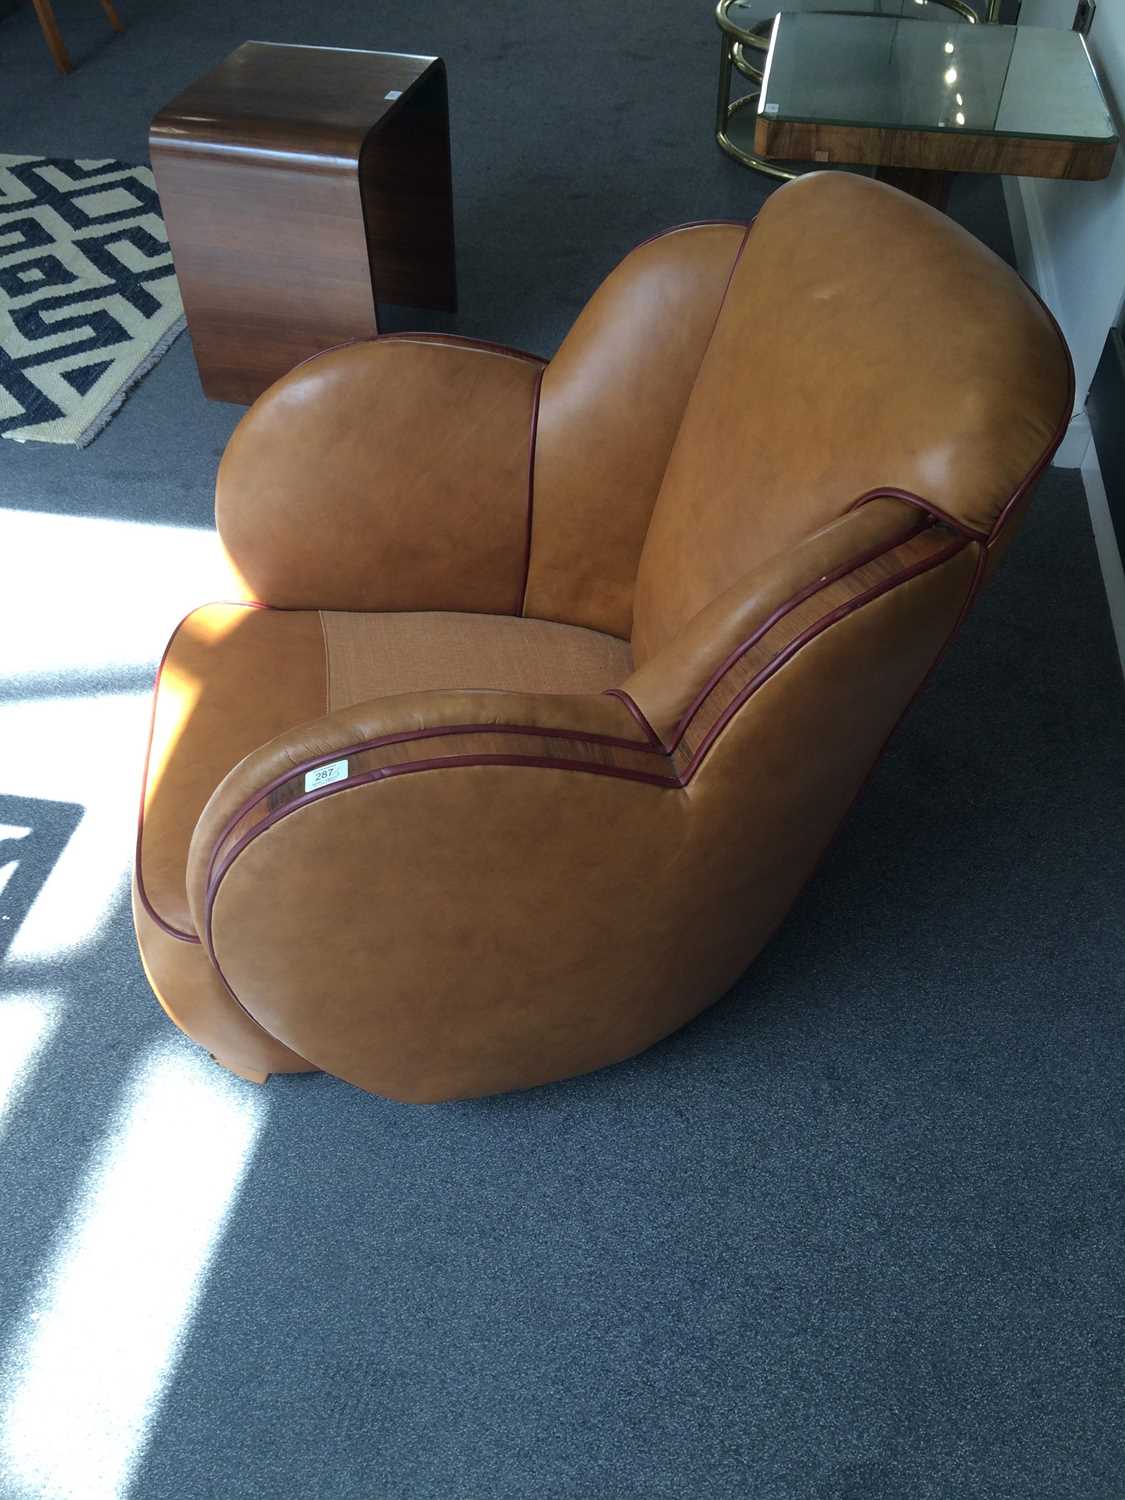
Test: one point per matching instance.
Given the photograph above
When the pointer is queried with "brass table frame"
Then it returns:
(736, 44)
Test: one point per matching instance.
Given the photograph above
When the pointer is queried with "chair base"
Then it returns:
(193, 996)
(248, 1073)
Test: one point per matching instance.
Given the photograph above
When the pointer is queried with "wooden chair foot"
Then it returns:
(249, 1074)
(52, 35)
(111, 15)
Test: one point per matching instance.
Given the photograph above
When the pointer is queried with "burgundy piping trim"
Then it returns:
(988, 537)
(815, 629)
(437, 731)
(1060, 428)
(782, 610)
(722, 304)
(230, 991)
(834, 834)
(484, 346)
(406, 337)
(910, 498)
(650, 734)
(522, 600)
(386, 773)
(662, 234)
(320, 353)
(184, 937)
(970, 597)
(1020, 490)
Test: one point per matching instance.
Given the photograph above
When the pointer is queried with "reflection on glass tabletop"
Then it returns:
(888, 73)
(752, 19)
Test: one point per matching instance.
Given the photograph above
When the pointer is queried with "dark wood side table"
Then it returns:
(920, 102)
(300, 186)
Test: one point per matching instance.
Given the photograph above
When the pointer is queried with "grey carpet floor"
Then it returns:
(853, 1235)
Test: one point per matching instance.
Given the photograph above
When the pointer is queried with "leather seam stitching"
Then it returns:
(919, 502)
(521, 603)
(976, 533)
(445, 340)
(405, 736)
(327, 663)
(650, 734)
(664, 234)
(711, 336)
(817, 628)
(452, 341)
(1056, 438)
(695, 381)
(930, 670)
(871, 555)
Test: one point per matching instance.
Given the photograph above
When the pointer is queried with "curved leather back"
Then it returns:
(866, 342)
(610, 406)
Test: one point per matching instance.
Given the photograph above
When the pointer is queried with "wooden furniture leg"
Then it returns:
(920, 182)
(52, 35)
(111, 15)
(45, 11)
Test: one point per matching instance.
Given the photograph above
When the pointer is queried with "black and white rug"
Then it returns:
(88, 296)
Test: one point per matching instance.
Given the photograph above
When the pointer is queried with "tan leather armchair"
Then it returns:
(564, 674)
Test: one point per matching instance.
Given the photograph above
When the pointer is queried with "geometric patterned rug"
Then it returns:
(88, 296)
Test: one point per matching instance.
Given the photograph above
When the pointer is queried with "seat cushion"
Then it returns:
(234, 676)
(374, 656)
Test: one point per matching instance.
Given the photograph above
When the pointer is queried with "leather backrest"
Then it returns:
(865, 343)
(611, 403)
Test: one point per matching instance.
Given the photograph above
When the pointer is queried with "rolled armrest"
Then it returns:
(389, 736)
(392, 474)
(420, 894)
(770, 604)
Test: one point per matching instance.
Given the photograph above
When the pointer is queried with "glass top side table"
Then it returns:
(920, 103)
(745, 27)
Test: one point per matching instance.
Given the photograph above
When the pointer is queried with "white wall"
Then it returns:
(1071, 243)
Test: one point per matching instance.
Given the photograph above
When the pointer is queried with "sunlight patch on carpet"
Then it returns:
(106, 1321)
(118, 589)
(27, 1023)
